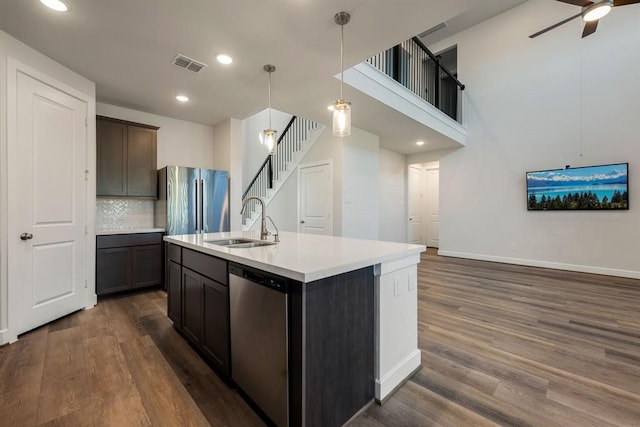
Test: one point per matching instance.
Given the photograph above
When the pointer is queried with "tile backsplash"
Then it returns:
(121, 214)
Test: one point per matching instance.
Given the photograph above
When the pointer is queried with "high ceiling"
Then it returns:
(126, 47)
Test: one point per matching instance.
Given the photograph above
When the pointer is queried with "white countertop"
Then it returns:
(129, 231)
(302, 257)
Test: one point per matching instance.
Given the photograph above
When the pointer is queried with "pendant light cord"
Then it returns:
(341, 59)
(269, 99)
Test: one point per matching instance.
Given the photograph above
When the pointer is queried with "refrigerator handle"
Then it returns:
(204, 226)
(195, 207)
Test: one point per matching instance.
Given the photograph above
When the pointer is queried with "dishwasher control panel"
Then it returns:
(263, 278)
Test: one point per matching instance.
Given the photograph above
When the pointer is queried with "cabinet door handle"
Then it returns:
(26, 236)
(302, 221)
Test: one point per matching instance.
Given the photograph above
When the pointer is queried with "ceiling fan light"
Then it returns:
(56, 5)
(596, 11)
(342, 118)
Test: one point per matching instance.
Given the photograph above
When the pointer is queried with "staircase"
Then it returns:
(294, 143)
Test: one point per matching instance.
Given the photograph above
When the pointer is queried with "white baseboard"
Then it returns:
(397, 376)
(545, 264)
(6, 338)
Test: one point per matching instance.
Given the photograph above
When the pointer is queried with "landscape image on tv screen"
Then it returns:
(583, 188)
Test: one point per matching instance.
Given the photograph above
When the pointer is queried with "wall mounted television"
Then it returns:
(603, 187)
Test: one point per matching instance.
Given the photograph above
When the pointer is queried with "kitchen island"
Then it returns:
(351, 315)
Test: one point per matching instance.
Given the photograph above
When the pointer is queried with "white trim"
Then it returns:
(4, 305)
(328, 162)
(398, 375)
(544, 264)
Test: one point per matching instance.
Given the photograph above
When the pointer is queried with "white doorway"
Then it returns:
(416, 204)
(432, 206)
(315, 198)
(47, 200)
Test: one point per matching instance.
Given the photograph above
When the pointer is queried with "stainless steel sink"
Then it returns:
(239, 243)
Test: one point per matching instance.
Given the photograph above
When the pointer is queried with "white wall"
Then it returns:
(180, 142)
(392, 185)
(360, 185)
(235, 173)
(284, 206)
(536, 104)
(254, 151)
(77, 86)
(355, 185)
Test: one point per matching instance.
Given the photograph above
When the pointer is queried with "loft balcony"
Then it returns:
(411, 80)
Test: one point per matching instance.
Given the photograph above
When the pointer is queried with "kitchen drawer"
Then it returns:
(174, 253)
(120, 240)
(211, 267)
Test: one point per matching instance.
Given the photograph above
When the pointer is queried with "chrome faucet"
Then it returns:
(276, 237)
(263, 230)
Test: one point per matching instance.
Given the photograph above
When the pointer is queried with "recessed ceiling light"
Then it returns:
(182, 98)
(224, 59)
(55, 5)
(420, 143)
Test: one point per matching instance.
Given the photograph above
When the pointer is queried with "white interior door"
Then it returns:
(316, 198)
(433, 208)
(47, 204)
(416, 203)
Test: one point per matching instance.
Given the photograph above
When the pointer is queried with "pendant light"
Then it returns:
(342, 107)
(270, 135)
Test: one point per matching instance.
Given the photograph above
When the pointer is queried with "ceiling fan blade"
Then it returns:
(581, 3)
(624, 2)
(554, 26)
(590, 28)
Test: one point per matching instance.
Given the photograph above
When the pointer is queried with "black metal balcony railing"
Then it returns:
(414, 66)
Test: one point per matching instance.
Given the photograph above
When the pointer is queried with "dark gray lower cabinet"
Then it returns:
(113, 267)
(215, 336)
(198, 302)
(174, 292)
(146, 265)
(193, 295)
(128, 261)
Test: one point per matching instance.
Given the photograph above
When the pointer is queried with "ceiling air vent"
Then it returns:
(188, 63)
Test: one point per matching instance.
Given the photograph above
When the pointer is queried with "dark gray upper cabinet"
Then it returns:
(126, 158)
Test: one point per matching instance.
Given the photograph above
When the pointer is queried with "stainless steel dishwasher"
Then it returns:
(259, 341)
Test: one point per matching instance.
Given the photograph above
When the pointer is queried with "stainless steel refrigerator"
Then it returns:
(192, 200)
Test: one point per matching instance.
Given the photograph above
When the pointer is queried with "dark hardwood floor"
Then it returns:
(501, 345)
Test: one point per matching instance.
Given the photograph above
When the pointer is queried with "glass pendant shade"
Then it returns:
(342, 118)
(270, 139)
(342, 108)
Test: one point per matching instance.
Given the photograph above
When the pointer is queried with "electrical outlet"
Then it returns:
(413, 282)
(514, 247)
(396, 287)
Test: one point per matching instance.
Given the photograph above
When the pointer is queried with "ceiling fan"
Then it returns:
(591, 13)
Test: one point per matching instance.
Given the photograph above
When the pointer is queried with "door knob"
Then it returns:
(26, 236)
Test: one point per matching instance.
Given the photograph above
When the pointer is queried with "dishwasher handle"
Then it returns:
(254, 277)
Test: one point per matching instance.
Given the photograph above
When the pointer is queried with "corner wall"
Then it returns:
(392, 203)
(535, 104)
